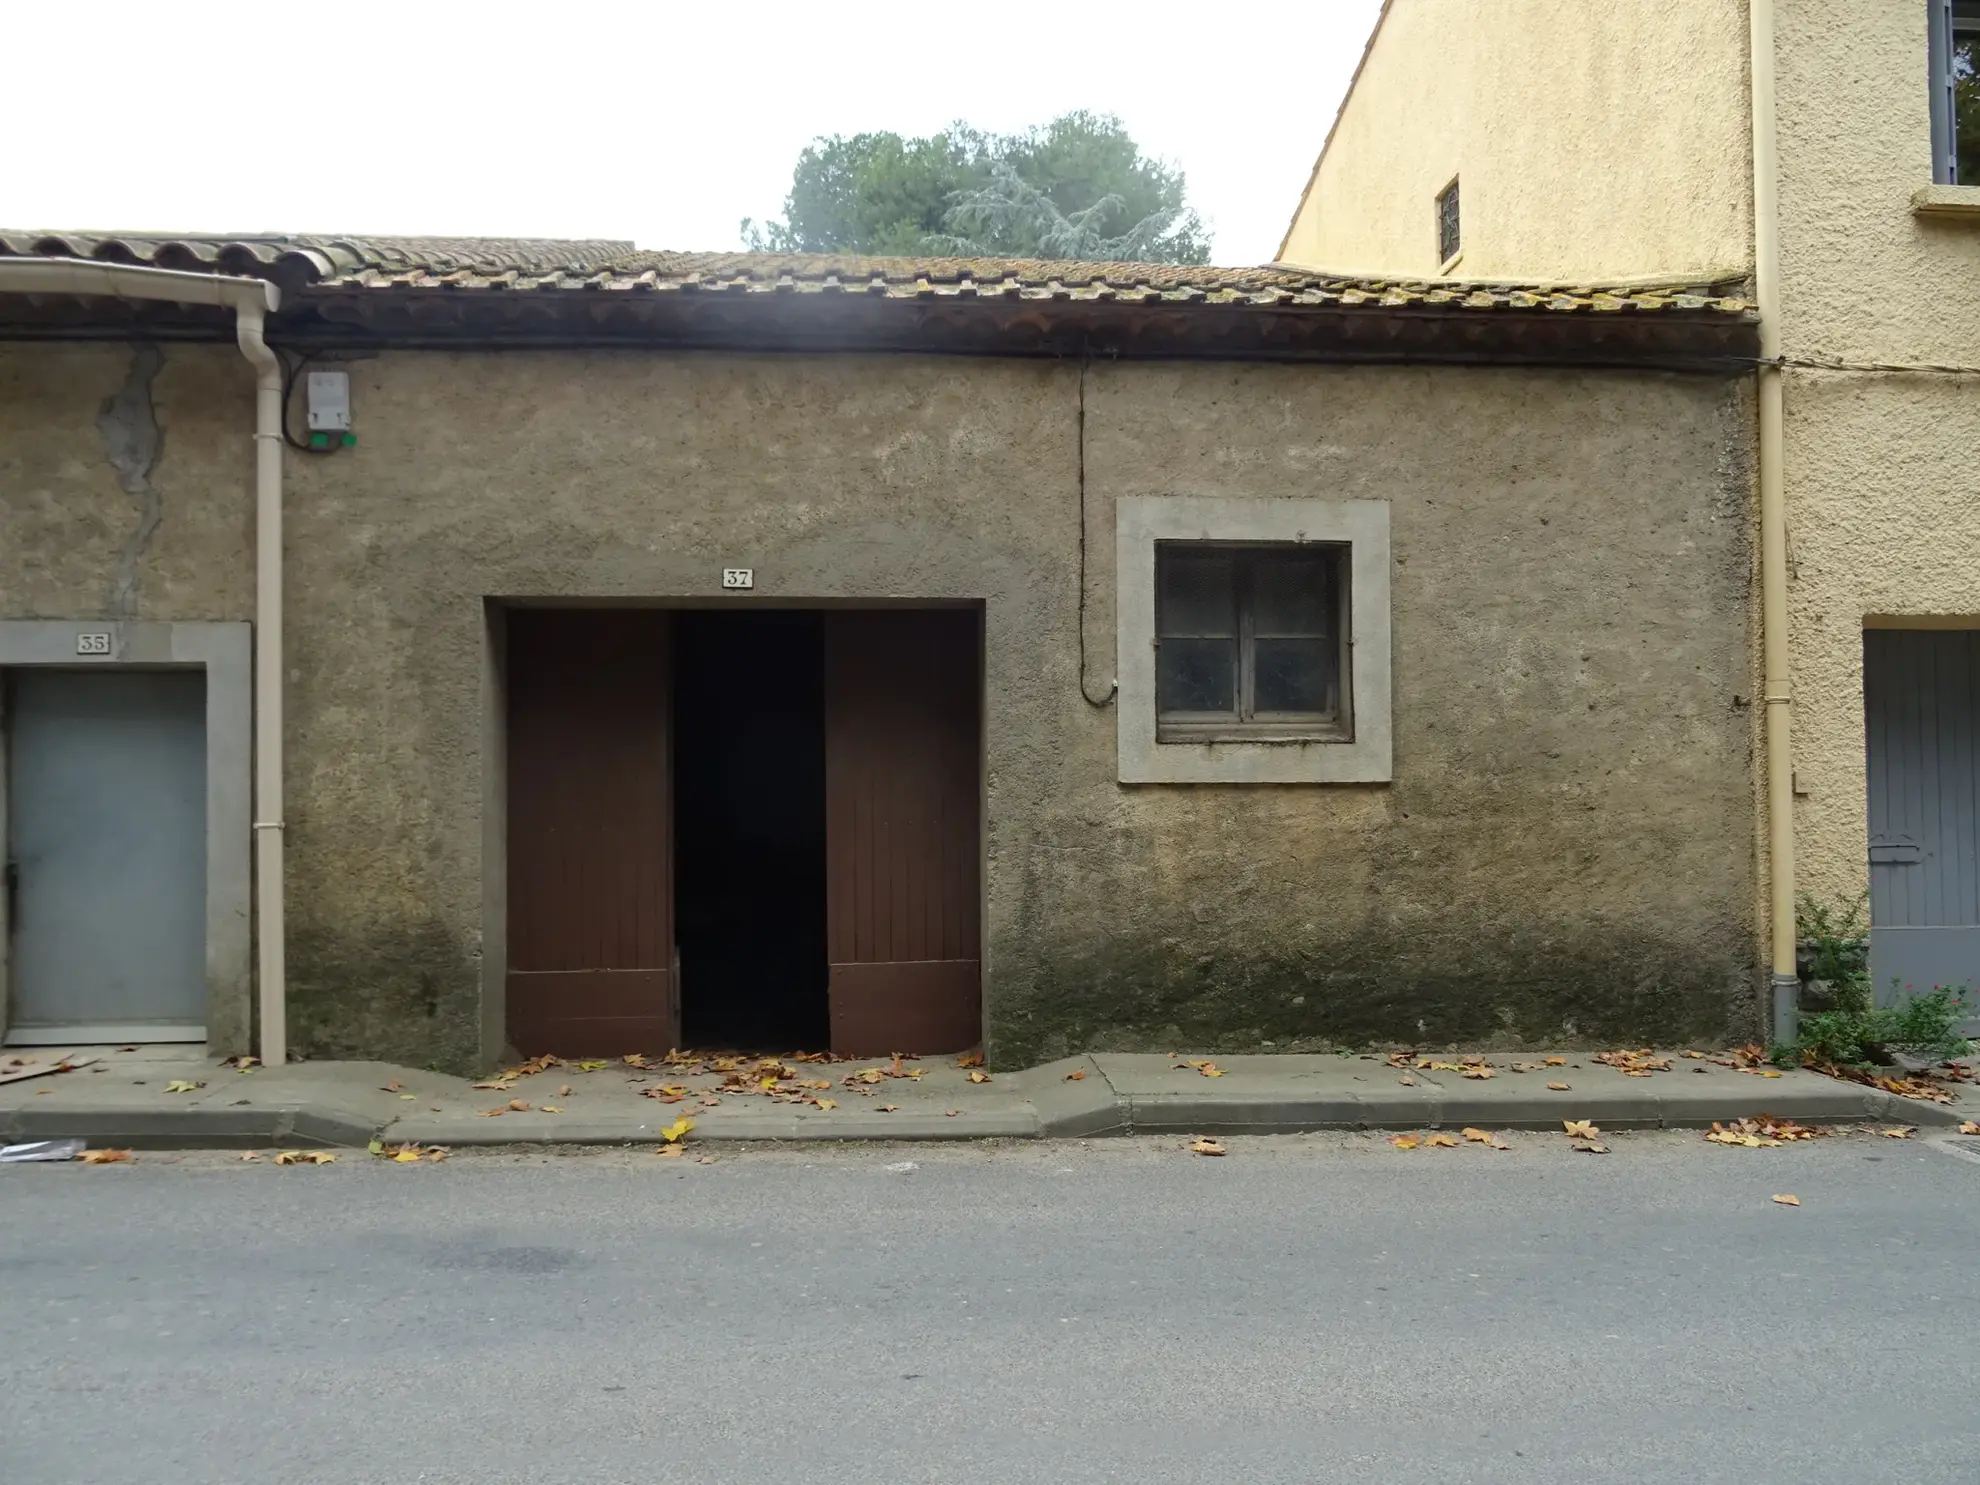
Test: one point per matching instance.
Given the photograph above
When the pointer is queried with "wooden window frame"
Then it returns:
(1244, 723)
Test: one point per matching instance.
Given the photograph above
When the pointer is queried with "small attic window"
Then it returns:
(1448, 240)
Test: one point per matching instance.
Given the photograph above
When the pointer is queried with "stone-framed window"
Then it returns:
(1253, 640)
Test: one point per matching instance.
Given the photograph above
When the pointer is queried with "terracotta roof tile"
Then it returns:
(497, 265)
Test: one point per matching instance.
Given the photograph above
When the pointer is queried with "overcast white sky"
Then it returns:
(665, 123)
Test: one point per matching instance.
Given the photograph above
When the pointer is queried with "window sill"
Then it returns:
(1211, 732)
(1450, 264)
(1947, 202)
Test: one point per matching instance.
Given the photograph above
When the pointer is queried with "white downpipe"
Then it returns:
(251, 300)
(272, 960)
(1776, 658)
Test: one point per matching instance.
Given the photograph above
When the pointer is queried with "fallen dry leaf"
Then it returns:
(181, 1085)
(953, 1112)
(565, 1091)
(1591, 1147)
(1476, 1136)
(519, 1106)
(1475, 1070)
(674, 1133)
(888, 1108)
(250, 1155)
(1206, 1147)
(1899, 1131)
(106, 1157)
(1407, 1082)
(979, 1077)
(304, 1157)
(670, 1150)
(392, 1087)
(1556, 1061)
(549, 1108)
(1498, 1144)
(970, 1059)
(1560, 1087)
(593, 1066)
(826, 1103)
(1636, 1064)
(1441, 1141)
(1787, 1201)
(1580, 1129)
(242, 1063)
(1969, 1127)
(1075, 1075)
(1405, 1141)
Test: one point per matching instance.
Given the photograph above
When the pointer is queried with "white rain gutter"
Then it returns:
(1775, 655)
(251, 300)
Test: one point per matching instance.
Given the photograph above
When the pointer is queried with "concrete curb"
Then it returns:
(193, 1127)
(1051, 1108)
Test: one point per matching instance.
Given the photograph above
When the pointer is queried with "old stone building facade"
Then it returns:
(1131, 657)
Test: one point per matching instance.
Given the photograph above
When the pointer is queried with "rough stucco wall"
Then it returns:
(1592, 140)
(1564, 852)
(144, 510)
(1883, 519)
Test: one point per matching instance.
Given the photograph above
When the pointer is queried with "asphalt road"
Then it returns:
(1312, 1309)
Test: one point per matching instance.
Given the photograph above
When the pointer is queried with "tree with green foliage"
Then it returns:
(1078, 188)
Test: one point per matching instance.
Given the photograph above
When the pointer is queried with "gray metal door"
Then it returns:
(1921, 702)
(106, 824)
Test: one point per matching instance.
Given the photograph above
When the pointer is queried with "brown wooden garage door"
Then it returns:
(591, 895)
(902, 823)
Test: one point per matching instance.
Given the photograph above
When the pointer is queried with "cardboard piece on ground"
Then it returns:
(60, 1064)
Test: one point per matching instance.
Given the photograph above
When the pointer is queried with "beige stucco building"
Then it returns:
(887, 654)
(1615, 140)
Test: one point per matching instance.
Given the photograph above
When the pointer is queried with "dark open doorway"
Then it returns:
(749, 843)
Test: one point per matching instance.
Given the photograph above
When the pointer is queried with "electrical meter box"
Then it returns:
(329, 401)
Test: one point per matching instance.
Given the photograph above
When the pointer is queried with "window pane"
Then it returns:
(1196, 675)
(1196, 594)
(1966, 106)
(1293, 675)
(1292, 594)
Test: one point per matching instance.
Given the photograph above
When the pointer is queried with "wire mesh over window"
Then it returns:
(1250, 640)
(1448, 240)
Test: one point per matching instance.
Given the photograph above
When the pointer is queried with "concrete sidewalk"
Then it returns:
(126, 1098)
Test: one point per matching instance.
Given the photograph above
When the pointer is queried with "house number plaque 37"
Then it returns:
(739, 577)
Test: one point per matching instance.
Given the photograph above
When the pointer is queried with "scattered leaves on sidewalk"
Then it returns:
(1405, 1141)
(183, 1085)
(1640, 1063)
(1765, 1131)
(1202, 1065)
(1440, 1141)
(1205, 1147)
(970, 1059)
(674, 1133)
(408, 1154)
(979, 1076)
(1560, 1087)
(1899, 1131)
(1762, 1072)
(1580, 1129)
(305, 1157)
(1075, 1075)
(106, 1157)
(1787, 1200)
